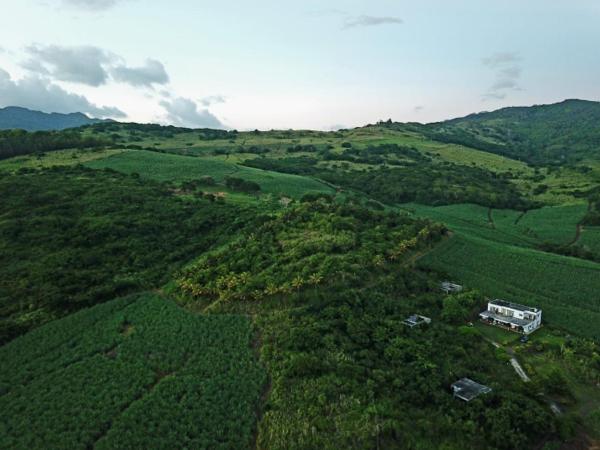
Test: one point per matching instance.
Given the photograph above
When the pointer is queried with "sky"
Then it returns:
(278, 64)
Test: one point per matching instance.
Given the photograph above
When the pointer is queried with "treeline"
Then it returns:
(241, 185)
(20, 142)
(575, 250)
(433, 185)
(392, 154)
(160, 131)
(425, 182)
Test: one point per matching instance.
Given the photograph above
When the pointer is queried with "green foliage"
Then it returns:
(422, 181)
(137, 372)
(70, 238)
(239, 184)
(546, 134)
(346, 373)
(20, 142)
(307, 245)
(458, 308)
(334, 288)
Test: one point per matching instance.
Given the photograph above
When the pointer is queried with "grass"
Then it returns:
(177, 168)
(496, 334)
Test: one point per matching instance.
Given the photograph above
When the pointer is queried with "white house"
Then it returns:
(519, 318)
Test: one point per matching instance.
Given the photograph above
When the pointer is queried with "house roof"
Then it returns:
(416, 319)
(517, 306)
(450, 286)
(467, 389)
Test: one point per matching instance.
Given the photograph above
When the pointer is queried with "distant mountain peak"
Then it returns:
(23, 118)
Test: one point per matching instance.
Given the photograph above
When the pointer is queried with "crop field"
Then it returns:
(177, 168)
(494, 251)
(556, 224)
(134, 372)
(474, 220)
(565, 288)
(590, 238)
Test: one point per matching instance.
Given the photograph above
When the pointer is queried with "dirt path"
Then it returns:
(513, 362)
(491, 219)
(417, 256)
(519, 370)
(579, 228)
(518, 219)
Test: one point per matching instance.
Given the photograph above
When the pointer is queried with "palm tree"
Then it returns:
(297, 283)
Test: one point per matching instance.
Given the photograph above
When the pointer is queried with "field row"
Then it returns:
(134, 372)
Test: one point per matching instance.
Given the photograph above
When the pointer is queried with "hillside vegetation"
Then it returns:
(74, 237)
(546, 134)
(165, 287)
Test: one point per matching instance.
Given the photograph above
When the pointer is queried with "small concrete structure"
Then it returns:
(415, 319)
(512, 316)
(450, 288)
(467, 389)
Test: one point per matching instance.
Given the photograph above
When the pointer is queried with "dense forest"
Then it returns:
(73, 237)
(431, 184)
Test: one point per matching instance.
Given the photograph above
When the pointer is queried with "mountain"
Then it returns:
(568, 131)
(26, 119)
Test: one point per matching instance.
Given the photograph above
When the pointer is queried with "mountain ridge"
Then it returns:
(17, 117)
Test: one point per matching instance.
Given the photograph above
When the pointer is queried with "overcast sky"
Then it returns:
(282, 64)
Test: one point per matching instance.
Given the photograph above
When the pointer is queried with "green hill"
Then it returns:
(543, 134)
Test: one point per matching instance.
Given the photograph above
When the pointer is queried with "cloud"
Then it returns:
(91, 5)
(91, 66)
(185, 113)
(40, 94)
(501, 59)
(212, 100)
(507, 70)
(370, 21)
(153, 72)
(82, 64)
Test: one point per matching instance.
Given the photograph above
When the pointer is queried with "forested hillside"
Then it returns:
(561, 133)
